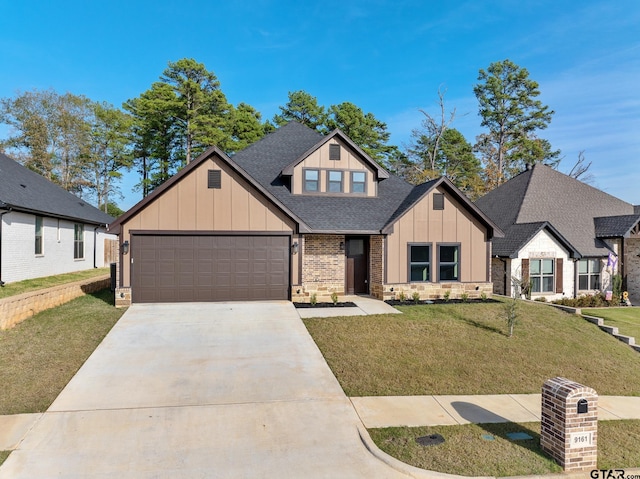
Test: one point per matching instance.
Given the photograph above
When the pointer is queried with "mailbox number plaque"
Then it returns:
(581, 439)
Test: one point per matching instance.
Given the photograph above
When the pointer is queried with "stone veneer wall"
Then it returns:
(435, 290)
(498, 276)
(632, 268)
(376, 266)
(15, 309)
(323, 268)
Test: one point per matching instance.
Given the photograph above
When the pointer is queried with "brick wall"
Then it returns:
(323, 268)
(561, 422)
(376, 266)
(498, 275)
(19, 261)
(15, 309)
(632, 268)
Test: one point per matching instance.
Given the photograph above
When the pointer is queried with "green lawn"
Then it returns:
(40, 355)
(464, 349)
(3, 455)
(467, 450)
(627, 320)
(19, 287)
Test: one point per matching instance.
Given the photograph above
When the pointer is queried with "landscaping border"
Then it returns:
(15, 309)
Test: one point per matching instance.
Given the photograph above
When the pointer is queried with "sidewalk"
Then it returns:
(414, 411)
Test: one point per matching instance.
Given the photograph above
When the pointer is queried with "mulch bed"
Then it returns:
(347, 304)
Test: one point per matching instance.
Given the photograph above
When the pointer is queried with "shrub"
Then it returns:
(416, 297)
(464, 297)
(446, 296)
(402, 296)
(313, 299)
(483, 296)
(334, 298)
(541, 299)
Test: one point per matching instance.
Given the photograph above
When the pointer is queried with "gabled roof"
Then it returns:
(615, 226)
(214, 150)
(518, 235)
(266, 159)
(543, 194)
(420, 191)
(24, 190)
(337, 133)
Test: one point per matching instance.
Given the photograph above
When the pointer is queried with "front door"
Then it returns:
(357, 253)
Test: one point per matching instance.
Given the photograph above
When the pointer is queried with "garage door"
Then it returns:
(176, 268)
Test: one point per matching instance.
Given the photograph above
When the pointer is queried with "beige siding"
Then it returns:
(422, 224)
(348, 162)
(191, 206)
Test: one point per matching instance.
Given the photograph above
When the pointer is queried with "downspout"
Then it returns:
(1, 215)
(95, 240)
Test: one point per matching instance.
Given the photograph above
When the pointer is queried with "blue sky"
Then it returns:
(388, 57)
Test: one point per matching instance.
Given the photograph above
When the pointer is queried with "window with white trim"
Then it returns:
(78, 241)
(39, 235)
(588, 274)
(541, 275)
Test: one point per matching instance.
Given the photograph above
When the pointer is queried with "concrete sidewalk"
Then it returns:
(414, 411)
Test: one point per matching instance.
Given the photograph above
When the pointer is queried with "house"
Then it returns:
(562, 236)
(45, 230)
(297, 214)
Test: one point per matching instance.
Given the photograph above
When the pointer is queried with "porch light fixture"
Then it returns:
(125, 247)
(294, 248)
(341, 245)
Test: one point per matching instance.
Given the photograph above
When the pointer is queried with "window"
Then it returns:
(335, 182)
(589, 274)
(448, 262)
(39, 234)
(78, 241)
(541, 275)
(334, 152)
(438, 201)
(311, 180)
(358, 182)
(419, 262)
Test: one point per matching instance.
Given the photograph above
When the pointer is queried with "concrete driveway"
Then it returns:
(227, 390)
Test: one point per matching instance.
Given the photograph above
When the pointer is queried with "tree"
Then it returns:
(245, 126)
(110, 150)
(580, 170)
(201, 109)
(365, 130)
(50, 134)
(303, 108)
(512, 114)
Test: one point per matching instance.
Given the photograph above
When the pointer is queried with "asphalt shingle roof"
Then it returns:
(544, 194)
(265, 159)
(25, 190)
(615, 226)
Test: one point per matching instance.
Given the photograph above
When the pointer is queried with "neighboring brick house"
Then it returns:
(567, 238)
(296, 214)
(45, 230)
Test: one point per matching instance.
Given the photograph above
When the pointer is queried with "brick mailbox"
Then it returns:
(569, 426)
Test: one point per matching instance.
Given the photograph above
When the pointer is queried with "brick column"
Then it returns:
(569, 426)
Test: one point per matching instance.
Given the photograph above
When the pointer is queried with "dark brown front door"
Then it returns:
(178, 268)
(357, 252)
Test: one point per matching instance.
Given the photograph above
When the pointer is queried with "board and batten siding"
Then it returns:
(423, 224)
(348, 162)
(189, 205)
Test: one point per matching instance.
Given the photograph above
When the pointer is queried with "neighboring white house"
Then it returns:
(45, 230)
(563, 238)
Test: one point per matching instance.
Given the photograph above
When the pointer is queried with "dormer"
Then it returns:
(335, 166)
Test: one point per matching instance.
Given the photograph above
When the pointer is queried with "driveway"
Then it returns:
(227, 390)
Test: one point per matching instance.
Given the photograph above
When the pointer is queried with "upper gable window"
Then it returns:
(335, 181)
(358, 182)
(311, 180)
(334, 152)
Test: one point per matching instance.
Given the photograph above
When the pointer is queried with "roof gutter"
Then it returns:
(4, 210)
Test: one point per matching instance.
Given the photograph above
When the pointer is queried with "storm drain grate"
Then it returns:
(518, 436)
(430, 440)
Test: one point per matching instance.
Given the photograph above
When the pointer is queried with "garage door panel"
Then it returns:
(170, 268)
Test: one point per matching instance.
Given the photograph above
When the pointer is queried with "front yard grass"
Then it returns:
(3, 456)
(468, 449)
(627, 320)
(41, 354)
(464, 349)
(28, 285)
